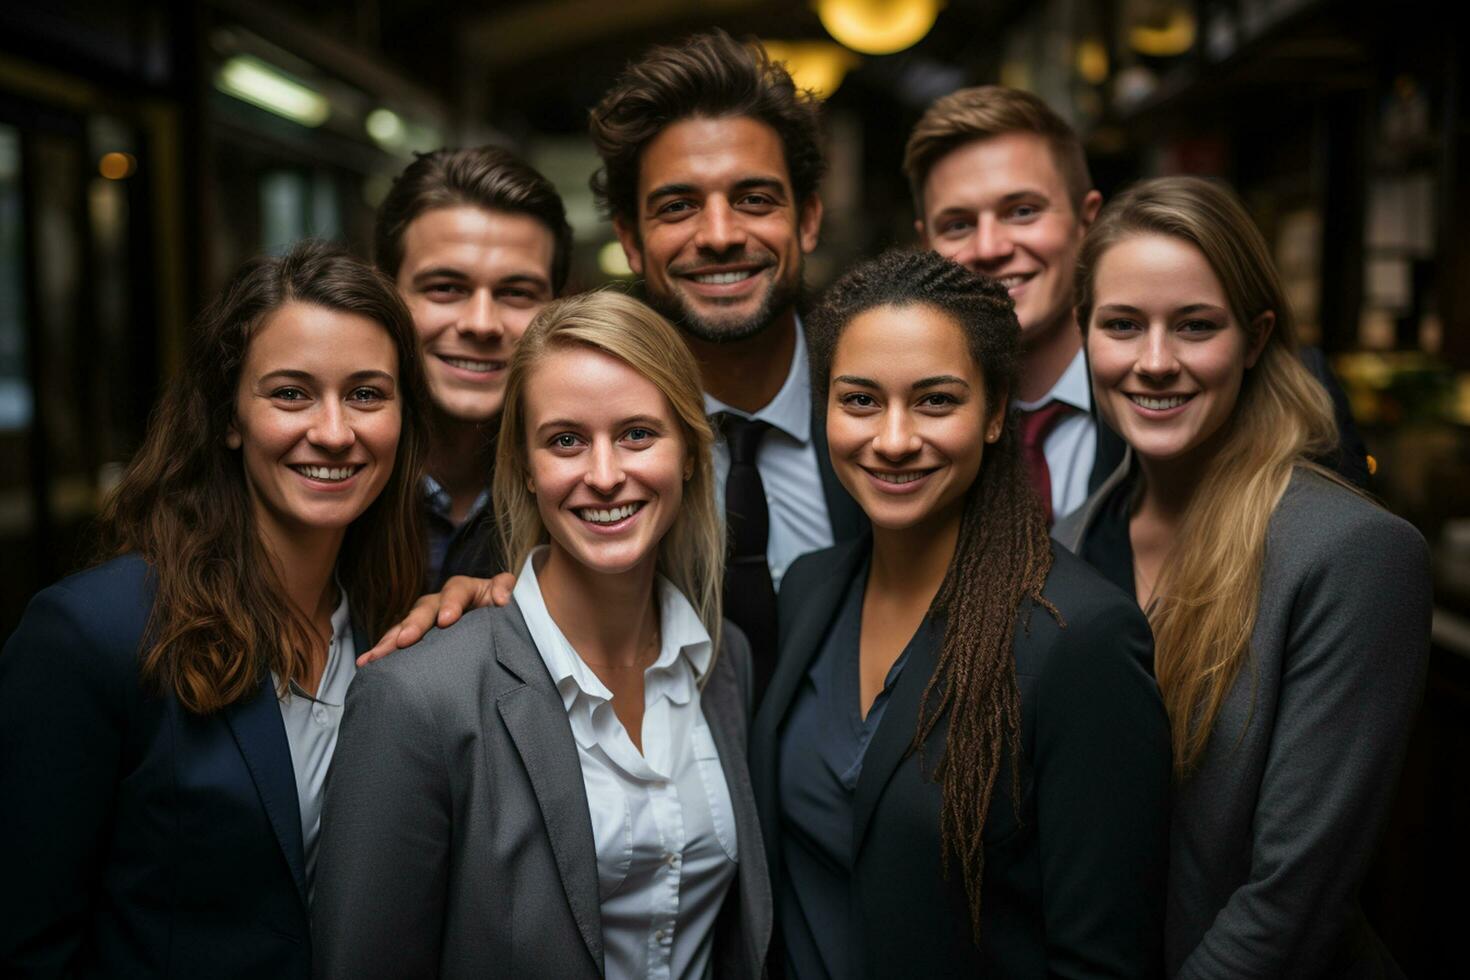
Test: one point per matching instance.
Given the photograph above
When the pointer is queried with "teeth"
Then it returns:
(1159, 404)
(330, 474)
(896, 477)
(723, 278)
(1010, 282)
(479, 367)
(608, 516)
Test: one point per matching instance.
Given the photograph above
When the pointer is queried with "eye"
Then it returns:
(859, 399)
(1024, 212)
(290, 393)
(757, 202)
(640, 433)
(565, 440)
(1198, 326)
(674, 209)
(938, 399)
(366, 393)
(1119, 325)
(445, 291)
(955, 228)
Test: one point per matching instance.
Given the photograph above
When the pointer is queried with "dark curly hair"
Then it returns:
(487, 177)
(1001, 559)
(706, 75)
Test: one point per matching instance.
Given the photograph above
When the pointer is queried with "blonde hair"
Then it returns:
(692, 553)
(1208, 590)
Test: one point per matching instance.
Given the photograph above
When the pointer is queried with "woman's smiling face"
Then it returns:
(1167, 354)
(907, 417)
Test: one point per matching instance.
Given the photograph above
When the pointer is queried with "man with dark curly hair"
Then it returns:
(711, 164)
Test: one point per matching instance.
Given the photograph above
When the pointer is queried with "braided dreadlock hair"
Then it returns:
(1001, 559)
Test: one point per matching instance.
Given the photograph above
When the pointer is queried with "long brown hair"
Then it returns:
(220, 617)
(692, 553)
(1001, 559)
(1208, 591)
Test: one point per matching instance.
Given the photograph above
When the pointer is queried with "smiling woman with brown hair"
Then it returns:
(962, 762)
(167, 716)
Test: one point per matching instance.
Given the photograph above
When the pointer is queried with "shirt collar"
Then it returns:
(341, 662)
(1072, 388)
(682, 635)
(440, 504)
(791, 409)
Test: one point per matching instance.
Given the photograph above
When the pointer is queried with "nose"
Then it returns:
(481, 318)
(604, 473)
(720, 228)
(988, 247)
(331, 431)
(1156, 359)
(896, 438)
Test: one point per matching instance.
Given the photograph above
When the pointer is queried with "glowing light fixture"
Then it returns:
(613, 261)
(1165, 36)
(116, 165)
(1092, 61)
(816, 65)
(261, 84)
(878, 26)
(386, 128)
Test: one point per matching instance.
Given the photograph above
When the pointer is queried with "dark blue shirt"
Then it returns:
(821, 758)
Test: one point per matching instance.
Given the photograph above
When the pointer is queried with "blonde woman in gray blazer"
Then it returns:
(558, 788)
(1290, 613)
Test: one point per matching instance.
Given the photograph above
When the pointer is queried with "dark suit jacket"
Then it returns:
(456, 838)
(1073, 888)
(143, 840)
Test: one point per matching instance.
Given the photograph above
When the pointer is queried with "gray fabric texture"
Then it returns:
(1273, 834)
(456, 838)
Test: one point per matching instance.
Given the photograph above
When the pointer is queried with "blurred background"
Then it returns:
(149, 146)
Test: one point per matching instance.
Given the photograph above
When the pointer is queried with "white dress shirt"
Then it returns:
(787, 461)
(312, 724)
(662, 821)
(1071, 446)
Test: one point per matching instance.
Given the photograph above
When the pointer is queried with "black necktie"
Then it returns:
(750, 599)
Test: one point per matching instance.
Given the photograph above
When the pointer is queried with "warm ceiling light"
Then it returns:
(1165, 36)
(1092, 61)
(116, 166)
(251, 80)
(816, 65)
(386, 128)
(878, 26)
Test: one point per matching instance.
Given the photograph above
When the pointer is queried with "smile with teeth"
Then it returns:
(1159, 404)
(899, 478)
(326, 474)
(1011, 282)
(723, 278)
(610, 515)
(465, 364)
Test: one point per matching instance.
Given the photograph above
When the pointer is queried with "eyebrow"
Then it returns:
(1182, 311)
(632, 420)
(450, 272)
(1012, 198)
(934, 382)
(293, 374)
(743, 184)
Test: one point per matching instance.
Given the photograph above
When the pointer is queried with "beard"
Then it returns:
(779, 298)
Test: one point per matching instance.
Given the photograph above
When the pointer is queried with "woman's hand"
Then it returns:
(442, 609)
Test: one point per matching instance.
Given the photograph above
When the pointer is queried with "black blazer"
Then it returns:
(1075, 887)
(143, 840)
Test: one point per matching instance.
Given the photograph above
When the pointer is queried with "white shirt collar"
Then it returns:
(1072, 388)
(791, 409)
(683, 638)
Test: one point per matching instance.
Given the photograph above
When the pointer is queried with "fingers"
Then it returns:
(385, 645)
(501, 588)
(442, 609)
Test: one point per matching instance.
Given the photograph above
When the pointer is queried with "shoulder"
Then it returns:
(446, 662)
(817, 566)
(1102, 630)
(1082, 595)
(1319, 522)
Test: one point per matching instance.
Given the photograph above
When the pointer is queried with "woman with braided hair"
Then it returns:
(962, 762)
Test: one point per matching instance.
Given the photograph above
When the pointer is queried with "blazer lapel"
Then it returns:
(537, 721)
(261, 736)
(848, 519)
(895, 734)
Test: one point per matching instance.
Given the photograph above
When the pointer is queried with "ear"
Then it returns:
(1263, 325)
(996, 424)
(922, 231)
(632, 244)
(232, 437)
(1091, 205)
(809, 223)
(688, 468)
(530, 486)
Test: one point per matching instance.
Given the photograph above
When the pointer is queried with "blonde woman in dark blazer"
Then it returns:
(558, 788)
(1290, 613)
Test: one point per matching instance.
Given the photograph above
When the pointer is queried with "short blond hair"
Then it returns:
(985, 112)
(692, 553)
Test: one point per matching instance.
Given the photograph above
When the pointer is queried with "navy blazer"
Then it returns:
(144, 840)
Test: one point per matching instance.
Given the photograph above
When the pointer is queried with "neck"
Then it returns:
(913, 561)
(747, 374)
(1044, 362)
(605, 617)
(1168, 487)
(303, 563)
(460, 457)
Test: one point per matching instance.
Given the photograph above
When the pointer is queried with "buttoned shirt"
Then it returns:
(311, 730)
(440, 527)
(1071, 446)
(787, 461)
(662, 820)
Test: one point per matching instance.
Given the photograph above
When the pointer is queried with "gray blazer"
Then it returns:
(456, 839)
(1272, 836)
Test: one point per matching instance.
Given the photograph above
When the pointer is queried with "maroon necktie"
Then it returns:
(1036, 423)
